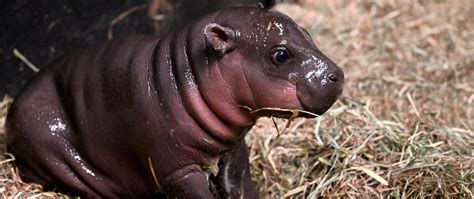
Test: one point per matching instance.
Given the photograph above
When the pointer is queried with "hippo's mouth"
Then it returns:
(280, 112)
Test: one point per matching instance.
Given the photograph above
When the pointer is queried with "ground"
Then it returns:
(404, 127)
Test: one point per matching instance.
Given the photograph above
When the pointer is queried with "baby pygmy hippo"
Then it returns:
(148, 116)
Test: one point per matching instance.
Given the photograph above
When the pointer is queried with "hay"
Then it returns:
(404, 125)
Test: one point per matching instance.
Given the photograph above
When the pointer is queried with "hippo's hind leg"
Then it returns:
(234, 175)
(38, 136)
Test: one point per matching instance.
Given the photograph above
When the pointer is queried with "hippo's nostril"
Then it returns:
(332, 77)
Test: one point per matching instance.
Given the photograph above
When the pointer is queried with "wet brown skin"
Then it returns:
(97, 122)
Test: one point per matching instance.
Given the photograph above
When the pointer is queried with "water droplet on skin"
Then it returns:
(305, 62)
(320, 63)
(269, 26)
(72, 153)
(323, 81)
(149, 88)
(293, 76)
(187, 72)
(172, 133)
(56, 126)
(280, 27)
(173, 80)
(320, 67)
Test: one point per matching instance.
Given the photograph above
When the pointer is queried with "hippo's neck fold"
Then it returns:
(186, 61)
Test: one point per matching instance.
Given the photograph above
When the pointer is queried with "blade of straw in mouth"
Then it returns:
(298, 112)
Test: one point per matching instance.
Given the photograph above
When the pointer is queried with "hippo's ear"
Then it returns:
(221, 39)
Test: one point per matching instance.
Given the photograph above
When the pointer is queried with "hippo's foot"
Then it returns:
(189, 182)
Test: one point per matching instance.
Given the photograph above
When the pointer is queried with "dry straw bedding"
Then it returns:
(404, 126)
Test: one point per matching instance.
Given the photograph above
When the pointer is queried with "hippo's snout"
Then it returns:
(320, 84)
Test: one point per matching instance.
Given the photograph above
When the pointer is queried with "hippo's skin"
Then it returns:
(102, 122)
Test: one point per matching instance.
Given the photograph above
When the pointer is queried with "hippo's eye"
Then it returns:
(281, 55)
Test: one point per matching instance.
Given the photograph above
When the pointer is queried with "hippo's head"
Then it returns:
(267, 60)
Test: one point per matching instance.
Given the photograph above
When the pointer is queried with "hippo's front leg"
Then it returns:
(234, 175)
(188, 182)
